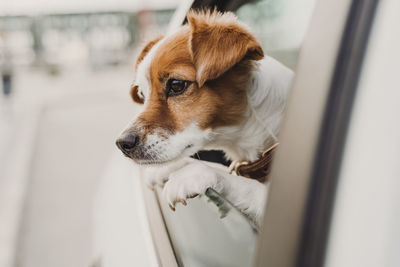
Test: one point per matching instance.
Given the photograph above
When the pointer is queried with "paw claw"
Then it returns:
(182, 201)
(194, 195)
(172, 207)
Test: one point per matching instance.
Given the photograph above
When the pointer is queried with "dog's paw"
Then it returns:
(154, 176)
(158, 175)
(189, 182)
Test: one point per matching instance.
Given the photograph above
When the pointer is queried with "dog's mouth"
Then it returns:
(143, 156)
(151, 161)
(162, 147)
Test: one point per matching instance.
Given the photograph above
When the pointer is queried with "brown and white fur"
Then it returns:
(234, 102)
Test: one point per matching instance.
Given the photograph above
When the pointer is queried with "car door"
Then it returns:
(334, 197)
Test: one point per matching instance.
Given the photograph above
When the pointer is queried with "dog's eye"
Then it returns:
(176, 87)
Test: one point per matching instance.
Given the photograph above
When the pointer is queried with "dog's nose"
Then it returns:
(127, 143)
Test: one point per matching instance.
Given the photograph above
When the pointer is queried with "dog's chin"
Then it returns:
(186, 152)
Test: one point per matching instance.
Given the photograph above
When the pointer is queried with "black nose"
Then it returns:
(127, 143)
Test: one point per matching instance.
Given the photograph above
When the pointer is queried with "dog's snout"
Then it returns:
(127, 143)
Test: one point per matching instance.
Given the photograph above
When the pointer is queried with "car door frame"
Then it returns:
(305, 170)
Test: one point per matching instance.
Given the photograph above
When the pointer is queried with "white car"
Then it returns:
(334, 198)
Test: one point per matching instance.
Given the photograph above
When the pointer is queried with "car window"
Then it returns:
(210, 231)
(280, 25)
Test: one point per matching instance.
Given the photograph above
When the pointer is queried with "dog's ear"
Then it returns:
(217, 42)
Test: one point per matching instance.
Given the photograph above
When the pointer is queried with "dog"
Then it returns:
(206, 86)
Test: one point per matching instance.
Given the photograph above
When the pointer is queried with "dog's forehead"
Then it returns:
(167, 52)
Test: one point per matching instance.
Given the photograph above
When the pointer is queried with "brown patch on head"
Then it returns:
(218, 41)
(146, 50)
(215, 53)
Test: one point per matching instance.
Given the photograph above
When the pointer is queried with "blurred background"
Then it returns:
(66, 69)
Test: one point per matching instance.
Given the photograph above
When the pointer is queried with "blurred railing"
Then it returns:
(101, 38)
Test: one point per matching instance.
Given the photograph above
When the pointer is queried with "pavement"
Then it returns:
(56, 136)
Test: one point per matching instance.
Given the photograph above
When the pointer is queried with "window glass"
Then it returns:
(280, 25)
(210, 232)
(199, 234)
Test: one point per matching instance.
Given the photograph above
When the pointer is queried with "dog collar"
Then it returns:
(258, 169)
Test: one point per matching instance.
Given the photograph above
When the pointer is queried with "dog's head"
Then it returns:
(189, 84)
